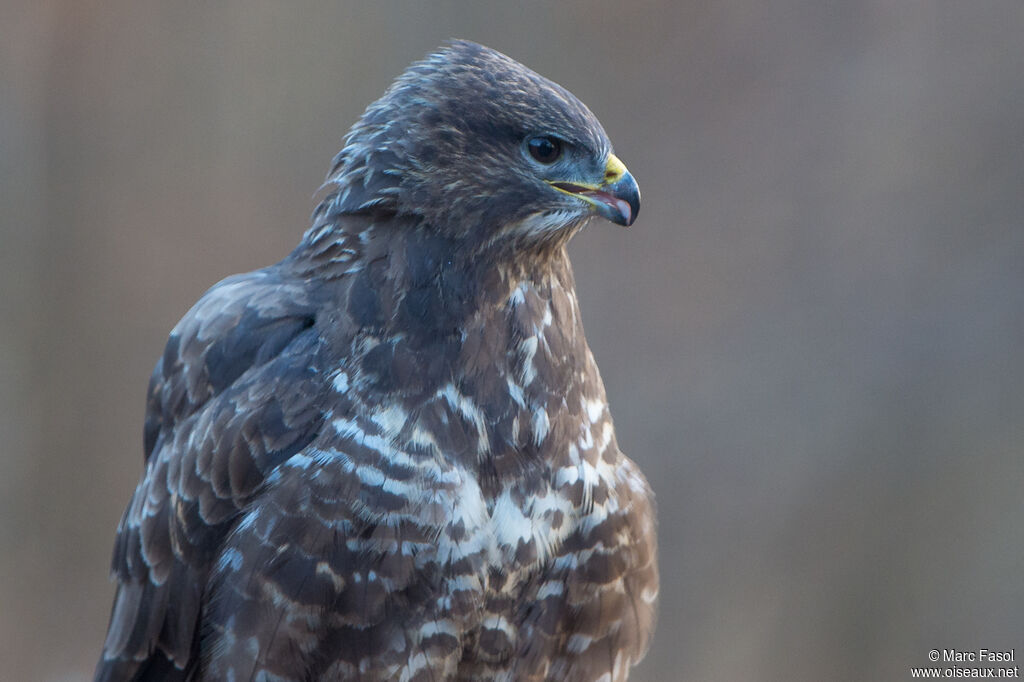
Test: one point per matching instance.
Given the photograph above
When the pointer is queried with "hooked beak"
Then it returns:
(617, 198)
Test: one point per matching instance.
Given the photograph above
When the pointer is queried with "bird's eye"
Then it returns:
(545, 149)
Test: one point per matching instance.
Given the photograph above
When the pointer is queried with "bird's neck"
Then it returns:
(424, 282)
(487, 351)
(523, 371)
(475, 287)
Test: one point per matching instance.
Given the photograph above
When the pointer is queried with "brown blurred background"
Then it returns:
(811, 339)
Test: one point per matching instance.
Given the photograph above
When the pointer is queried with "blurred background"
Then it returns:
(812, 338)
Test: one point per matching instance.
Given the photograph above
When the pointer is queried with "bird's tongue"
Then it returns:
(614, 202)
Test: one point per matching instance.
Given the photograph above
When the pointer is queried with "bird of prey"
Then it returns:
(389, 456)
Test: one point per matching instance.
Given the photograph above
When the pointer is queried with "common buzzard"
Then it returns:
(389, 456)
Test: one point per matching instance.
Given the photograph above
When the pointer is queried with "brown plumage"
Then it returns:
(389, 456)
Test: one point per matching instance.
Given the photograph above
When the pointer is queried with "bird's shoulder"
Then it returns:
(238, 326)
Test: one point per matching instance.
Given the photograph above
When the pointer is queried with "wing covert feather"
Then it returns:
(233, 395)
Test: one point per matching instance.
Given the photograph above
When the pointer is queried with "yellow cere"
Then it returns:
(613, 170)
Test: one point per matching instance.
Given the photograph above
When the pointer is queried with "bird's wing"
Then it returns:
(333, 573)
(234, 395)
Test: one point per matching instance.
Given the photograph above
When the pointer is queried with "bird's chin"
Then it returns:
(551, 225)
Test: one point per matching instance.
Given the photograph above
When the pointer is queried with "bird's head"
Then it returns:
(474, 144)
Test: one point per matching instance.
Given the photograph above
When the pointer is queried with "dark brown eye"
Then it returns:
(545, 149)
